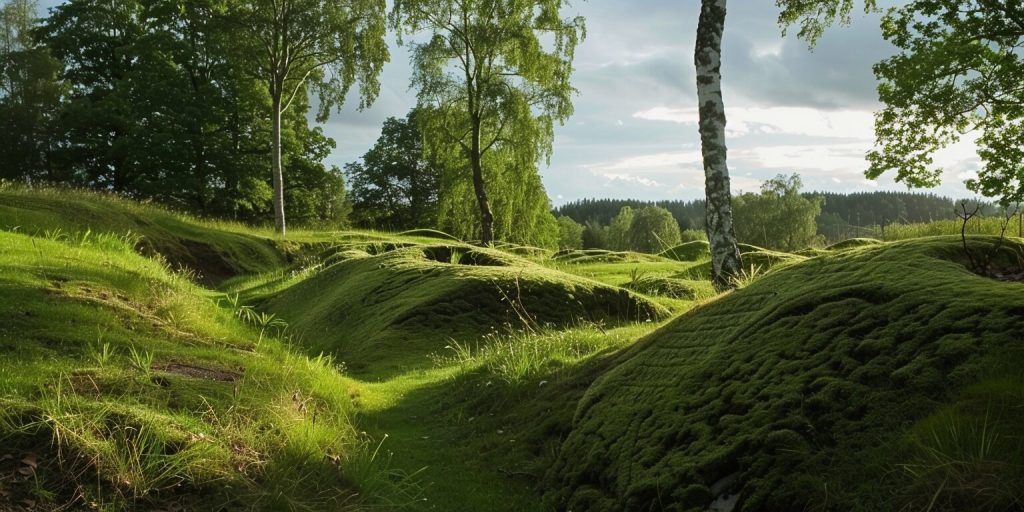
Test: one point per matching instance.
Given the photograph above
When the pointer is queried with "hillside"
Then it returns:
(876, 378)
(214, 251)
(124, 385)
(393, 308)
(356, 369)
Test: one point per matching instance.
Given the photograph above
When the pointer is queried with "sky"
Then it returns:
(634, 134)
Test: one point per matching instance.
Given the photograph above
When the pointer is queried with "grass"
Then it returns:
(127, 386)
(345, 370)
(808, 389)
(976, 226)
(134, 386)
(384, 313)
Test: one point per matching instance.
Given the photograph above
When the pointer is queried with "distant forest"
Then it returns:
(842, 216)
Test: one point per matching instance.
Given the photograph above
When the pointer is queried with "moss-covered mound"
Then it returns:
(671, 287)
(429, 233)
(397, 307)
(853, 243)
(811, 252)
(213, 253)
(690, 251)
(124, 386)
(754, 263)
(882, 379)
(582, 256)
(528, 251)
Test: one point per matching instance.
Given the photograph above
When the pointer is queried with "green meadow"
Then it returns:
(153, 361)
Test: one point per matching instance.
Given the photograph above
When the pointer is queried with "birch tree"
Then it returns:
(323, 45)
(492, 78)
(725, 256)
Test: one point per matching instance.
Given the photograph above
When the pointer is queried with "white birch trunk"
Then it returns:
(725, 256)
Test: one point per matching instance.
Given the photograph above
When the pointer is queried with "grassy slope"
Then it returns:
(871, 379)
(202, 417)
(386, 312)
(215, 251)
(176, 322)
(793, 405)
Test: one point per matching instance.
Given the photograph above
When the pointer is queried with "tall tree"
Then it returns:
(725, 256)
(97, 42)
(323, 45)
(30, 95)
(780, 217)
(494, 76)
(395, 185)
(570, 234)
(653, 230)
(960, 70)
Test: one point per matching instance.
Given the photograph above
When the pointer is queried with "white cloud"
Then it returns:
(740, 184)
(808, 121)
(656, 162)
(630, 178)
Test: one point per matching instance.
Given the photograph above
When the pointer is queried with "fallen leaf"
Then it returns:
(30, 460)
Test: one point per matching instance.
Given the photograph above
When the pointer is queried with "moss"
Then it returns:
(853, 243)
(806, 385)
(429, 233)
(584, 256)
(391, 310)
(689, 251)
(671, 287)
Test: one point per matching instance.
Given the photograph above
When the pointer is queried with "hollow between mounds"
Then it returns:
(461, 256)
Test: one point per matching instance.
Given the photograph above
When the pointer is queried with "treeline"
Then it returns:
(153, 99)
(204, 105)
(859, 209)
(688, 214)
(780, 216)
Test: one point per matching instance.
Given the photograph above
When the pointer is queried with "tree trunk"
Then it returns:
(486, 218)
(725, 256)
(275, 157)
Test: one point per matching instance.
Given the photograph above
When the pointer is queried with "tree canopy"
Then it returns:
(148, 98)
(959, 71)
(779, 217)
(395, 186)
(493, 79)
(323, 45)
(653, 230)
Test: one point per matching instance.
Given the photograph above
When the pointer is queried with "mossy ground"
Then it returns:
(465, 367)
(210, 411)
(855, 381)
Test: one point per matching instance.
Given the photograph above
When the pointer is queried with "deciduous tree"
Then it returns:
(780, 217)
(570, 233)
(653, 230)
(493, 78)
(30, 95)
(395, 185)
(725, 256)
(960, 70)
(295, 46)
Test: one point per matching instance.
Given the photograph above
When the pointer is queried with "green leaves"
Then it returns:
(958, 72)
(780, 217)
(814, 16)
(492, 79)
